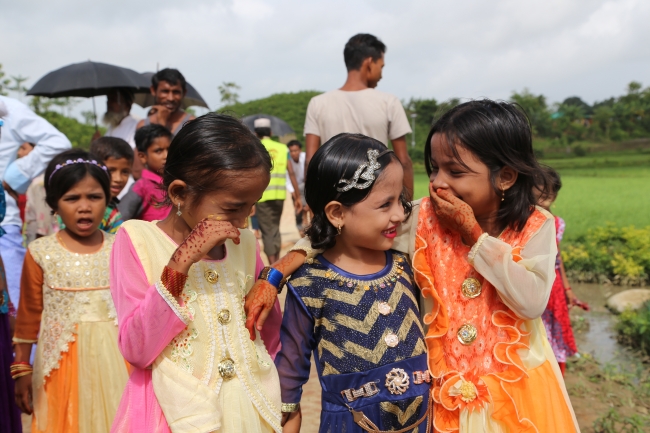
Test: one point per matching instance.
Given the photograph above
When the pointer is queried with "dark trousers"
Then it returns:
(268, 216)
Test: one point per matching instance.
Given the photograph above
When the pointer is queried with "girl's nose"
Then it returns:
(438, 181)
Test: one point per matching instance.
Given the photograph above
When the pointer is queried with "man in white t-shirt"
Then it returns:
(358, 107)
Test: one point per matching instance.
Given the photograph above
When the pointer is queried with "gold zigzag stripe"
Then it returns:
(330, 347)
(313, 302)
(326, 323)
(402, 416)
(375, 355)
(365, 325)
(419, 348)
(328, 369)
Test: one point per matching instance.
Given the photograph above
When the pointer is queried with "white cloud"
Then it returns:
(469, 48)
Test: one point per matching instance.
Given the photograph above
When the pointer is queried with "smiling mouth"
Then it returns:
(390, 233)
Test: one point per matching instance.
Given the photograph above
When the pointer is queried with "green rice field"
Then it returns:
(595, 191)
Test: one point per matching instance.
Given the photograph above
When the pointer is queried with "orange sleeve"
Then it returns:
(28, 321)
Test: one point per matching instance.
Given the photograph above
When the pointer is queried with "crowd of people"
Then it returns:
(134, 298)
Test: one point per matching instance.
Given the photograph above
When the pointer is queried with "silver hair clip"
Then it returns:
(366, 171)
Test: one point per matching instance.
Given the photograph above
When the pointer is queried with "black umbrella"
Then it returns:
(87, 79)
(278, 126)
(145, 99)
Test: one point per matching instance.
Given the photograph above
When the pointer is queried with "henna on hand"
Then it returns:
(207, 234)
(261, 298)
(455, 214)
(259, 303)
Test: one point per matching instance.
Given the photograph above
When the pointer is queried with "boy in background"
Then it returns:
(142, 201)
(117, 156)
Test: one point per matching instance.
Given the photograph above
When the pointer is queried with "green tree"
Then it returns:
(537, 110)
(228, 91)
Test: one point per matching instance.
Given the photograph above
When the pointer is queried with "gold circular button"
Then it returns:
(211, 276)
(467, 334)
(227, 368)
(224, 316)
(471, 288)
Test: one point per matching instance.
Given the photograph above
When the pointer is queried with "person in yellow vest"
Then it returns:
(269, 209)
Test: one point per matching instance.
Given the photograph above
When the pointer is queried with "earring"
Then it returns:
(338, 229)
(179, 213)
(503, 194)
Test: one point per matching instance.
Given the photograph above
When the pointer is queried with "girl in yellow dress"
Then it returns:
(66, 307)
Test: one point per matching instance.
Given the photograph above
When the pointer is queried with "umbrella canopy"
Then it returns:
(87, 79)
(145, 99)
(278, 126)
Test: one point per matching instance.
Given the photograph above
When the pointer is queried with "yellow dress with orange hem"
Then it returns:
(67, 309)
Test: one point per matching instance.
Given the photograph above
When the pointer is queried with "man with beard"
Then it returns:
(122, 125)
(117, 118)
(168, 87)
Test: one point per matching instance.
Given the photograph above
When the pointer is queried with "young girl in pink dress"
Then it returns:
(179, 286)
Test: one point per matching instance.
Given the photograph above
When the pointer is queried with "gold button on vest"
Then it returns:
(224, 316)
(211, 276)
(471, 288)
(467, 334)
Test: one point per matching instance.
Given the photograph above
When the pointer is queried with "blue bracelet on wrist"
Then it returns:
(273, 276)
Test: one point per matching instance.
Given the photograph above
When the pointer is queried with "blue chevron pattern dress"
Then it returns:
(368, 343)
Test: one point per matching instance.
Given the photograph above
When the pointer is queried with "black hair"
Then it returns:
(208, 147)
(69, 175)
(338, 159)
(499, 135)
(359, 48)
(294, 143)
(263, 132)
(172, 76)
(110, 147)
(145, 136)
(31, 144)
(554, 183)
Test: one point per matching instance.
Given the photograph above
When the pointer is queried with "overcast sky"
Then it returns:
(462, 48)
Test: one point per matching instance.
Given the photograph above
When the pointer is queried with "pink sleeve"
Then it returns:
(146, 322)
(270, 333)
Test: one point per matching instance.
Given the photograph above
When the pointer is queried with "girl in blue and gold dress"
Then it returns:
(355, 305)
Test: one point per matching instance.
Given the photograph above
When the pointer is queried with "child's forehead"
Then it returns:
(113, 162)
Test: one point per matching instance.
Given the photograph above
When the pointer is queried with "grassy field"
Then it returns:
(596, 190)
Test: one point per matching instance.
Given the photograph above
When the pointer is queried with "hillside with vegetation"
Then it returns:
(290, 107)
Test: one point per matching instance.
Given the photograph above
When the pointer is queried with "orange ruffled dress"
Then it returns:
(488, 351)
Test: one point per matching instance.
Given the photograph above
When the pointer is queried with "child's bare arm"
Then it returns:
(291, 421)
(261, 298)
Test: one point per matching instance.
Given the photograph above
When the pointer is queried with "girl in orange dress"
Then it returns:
(483, 256)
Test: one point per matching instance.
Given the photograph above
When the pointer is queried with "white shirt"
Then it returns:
(125, 130)
(298, 170)
(23, 125)
(369, 112)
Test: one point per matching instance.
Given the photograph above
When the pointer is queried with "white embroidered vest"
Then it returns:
(188, 374)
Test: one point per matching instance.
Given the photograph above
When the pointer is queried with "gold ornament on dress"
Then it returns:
(211, 276)
(397, 381)
(380, 283)
(224, 316)
(467, 334)
(227, 368)
(471, 288)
